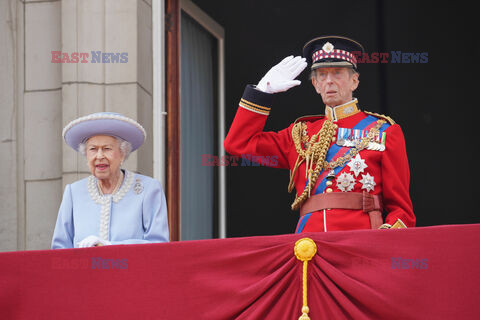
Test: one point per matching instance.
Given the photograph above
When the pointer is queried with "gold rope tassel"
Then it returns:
(293, 172)
(305, 250)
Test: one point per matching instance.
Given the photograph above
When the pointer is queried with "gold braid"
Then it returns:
(316, 152)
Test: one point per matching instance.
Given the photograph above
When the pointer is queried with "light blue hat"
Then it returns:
(104, 123)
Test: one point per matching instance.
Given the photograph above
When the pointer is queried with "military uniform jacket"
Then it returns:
(381, 169)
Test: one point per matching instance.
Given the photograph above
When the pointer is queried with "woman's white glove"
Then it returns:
(92, 241)
(281, 77)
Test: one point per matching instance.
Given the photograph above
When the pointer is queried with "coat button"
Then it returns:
(329, 183)
(329, 190)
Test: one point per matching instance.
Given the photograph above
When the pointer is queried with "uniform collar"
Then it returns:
(342, 111)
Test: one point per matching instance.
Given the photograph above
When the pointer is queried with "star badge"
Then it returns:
(368, 183)
(327, 47)
(345, 182)
(357, 165)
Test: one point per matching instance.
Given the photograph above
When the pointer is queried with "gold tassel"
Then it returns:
(305, 250)
(310, 186)
(293, 172)
(307, 162)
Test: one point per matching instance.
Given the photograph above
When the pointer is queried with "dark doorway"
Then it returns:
(433, 101)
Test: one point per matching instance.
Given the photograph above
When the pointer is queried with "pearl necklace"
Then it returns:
(117, 186)
(106, 200)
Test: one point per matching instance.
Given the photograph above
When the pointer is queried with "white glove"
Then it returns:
(281, 77)
(92, 241)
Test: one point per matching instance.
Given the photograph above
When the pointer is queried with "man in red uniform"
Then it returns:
(349, 167)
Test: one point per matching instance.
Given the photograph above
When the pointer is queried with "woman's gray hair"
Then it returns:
(125, 148)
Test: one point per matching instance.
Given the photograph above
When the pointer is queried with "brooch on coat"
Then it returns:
(138, 187)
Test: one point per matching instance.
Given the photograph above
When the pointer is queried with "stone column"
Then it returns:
(8, 126)
(107, 26)
(41, 120)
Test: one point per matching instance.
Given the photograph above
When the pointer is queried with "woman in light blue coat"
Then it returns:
(113, 205)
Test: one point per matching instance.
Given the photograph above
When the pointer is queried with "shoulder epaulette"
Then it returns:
(310, 117)
(378, 115)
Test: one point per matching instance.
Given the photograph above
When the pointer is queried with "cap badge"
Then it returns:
(327, 47)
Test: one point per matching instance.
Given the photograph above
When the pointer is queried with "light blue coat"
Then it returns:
(136, 213)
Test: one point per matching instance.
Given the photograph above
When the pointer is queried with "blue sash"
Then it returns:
(330, 155)
(336, 148)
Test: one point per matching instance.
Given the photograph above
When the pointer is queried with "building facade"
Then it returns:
(38, 97)
(44, 87)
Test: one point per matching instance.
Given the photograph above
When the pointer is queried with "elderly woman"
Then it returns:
(113, 205)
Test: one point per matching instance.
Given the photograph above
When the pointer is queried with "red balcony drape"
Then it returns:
(419, 273)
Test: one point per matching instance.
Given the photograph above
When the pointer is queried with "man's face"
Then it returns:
(335, 85)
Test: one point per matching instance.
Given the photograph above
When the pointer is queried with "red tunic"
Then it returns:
(388, 168)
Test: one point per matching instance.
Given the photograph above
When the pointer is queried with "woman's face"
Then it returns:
(104, 156)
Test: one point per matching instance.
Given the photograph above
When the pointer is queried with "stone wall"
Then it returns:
(39, 97)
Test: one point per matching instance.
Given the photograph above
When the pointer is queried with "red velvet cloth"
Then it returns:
(363, 274)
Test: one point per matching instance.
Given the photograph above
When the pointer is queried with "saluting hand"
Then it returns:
(281, 77)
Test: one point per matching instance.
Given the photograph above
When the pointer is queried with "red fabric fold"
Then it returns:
(363, 274)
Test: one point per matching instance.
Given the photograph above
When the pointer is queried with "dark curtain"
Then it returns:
(198, 49)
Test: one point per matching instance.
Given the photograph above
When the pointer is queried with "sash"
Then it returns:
(333, 154)
(337, 151)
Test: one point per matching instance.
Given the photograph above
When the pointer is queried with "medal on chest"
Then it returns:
(368, 182)
(347, 137)
(345, 182)
(357, 165)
